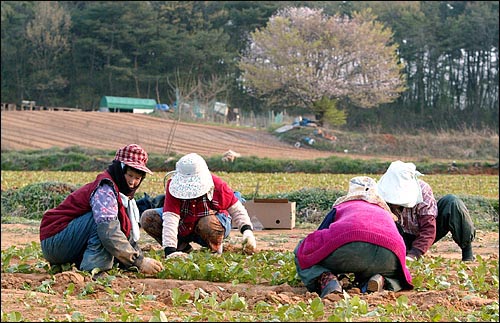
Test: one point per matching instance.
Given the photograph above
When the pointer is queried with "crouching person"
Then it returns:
(357, 236)
(199, 207)
(421, 220)
(97, 225)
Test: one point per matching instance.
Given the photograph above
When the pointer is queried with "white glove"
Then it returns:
(151, 266)
(249, 243)
(410, 258)
(177, 254)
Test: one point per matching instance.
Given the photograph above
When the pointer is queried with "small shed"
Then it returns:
(124, 104)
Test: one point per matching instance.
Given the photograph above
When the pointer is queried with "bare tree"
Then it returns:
(210, 89)
(303, 55)
(184, 87)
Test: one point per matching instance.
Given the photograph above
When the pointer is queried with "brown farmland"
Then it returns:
(45, 129)
(23, 293)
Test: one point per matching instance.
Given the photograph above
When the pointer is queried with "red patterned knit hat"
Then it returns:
(134, 156)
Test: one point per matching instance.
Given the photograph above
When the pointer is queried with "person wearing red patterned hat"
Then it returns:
(97, 225)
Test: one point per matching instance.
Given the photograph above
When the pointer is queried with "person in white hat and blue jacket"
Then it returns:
(199, 207)
(421, 220)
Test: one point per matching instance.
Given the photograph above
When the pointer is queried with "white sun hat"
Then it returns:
(191, 178)
(399, 185)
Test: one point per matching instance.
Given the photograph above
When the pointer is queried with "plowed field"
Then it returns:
(45, 129)
(57, 304)
(40, 297)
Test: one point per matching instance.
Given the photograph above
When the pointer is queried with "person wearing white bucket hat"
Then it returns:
(97, 225)
(421, 220)
(199, 207)
(357, 236)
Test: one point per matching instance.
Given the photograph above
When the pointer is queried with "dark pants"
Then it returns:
(363, 259)
(453, 216)
(78, 243)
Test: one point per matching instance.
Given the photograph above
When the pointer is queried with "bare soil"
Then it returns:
(22, 130)
(46, 129)
(38, 306)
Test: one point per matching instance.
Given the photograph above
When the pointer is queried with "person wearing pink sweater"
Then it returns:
(358, 236)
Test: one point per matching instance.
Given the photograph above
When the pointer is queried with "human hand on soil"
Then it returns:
(410, 258)
(249, 243)
(151, 266)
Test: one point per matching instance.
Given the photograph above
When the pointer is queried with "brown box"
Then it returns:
(272, 213)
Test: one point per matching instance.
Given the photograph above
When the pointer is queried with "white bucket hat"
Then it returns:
(191, 178)
(399, 185)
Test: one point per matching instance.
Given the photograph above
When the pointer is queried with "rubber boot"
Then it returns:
(467, 254)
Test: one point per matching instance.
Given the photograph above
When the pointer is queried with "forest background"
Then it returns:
(72, 53)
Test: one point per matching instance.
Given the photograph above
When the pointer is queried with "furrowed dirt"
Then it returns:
(38, 306)
(46, 129)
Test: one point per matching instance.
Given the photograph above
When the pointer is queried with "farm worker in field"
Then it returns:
(358, 236)
(199, 207)
(98, 224)
(421, 221)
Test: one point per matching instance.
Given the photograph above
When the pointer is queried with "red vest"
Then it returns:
(190, 211)
(77, 204)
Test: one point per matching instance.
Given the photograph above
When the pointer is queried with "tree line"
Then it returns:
(71, 53)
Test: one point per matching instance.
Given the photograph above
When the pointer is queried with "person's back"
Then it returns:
(355, 220)
(358, 236)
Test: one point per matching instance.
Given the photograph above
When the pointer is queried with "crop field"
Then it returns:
(238, 287)
(250, 183)
(234, 286)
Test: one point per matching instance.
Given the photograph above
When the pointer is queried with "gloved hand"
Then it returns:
(410, 258)
(413, 254)
(249, 243)
(151, 266)
(177, 254)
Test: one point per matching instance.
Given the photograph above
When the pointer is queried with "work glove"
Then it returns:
(177, 254)
(249, 243)
(413, 254)
(151, 266)
(410, 258)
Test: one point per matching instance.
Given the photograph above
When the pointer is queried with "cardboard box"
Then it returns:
(272, 213)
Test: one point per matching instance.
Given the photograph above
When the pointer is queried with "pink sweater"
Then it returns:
(354, 221)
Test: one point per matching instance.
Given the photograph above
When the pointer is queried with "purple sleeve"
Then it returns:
(105, 211)
(104, 204)
(427, 213)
